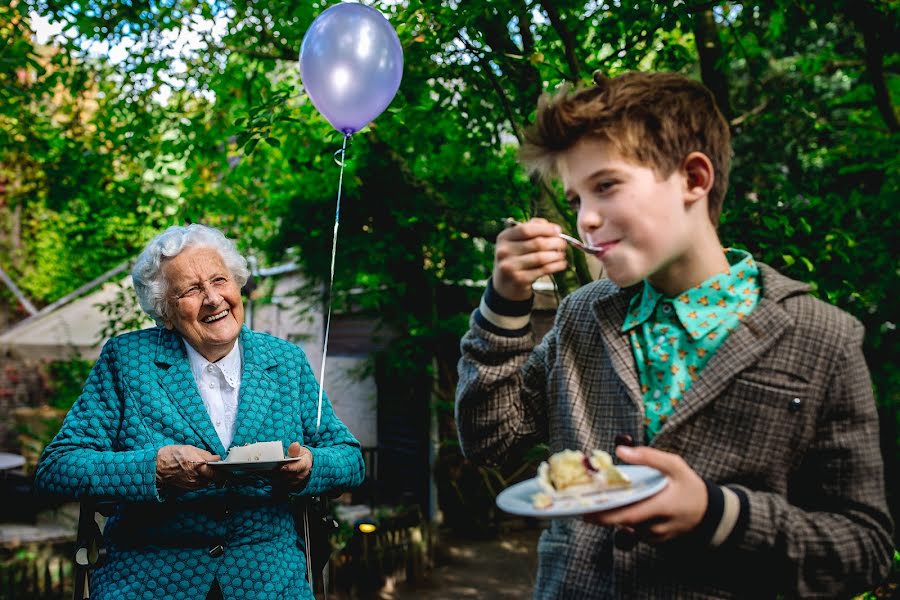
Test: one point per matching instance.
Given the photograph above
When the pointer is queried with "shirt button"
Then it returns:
(661, 339)
(656, 394)
(667, 308)
(211, 385)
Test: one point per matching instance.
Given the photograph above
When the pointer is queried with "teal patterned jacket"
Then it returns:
(141, 396)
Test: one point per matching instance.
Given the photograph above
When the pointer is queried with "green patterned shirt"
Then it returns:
(672, 339)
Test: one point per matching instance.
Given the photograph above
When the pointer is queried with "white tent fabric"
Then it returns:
(74, 328)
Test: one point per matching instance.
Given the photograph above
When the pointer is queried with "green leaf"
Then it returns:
(250, 145)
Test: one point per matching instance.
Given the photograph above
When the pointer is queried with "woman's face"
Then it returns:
(205, 304)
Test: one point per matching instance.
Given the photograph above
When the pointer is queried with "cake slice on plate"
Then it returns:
(571, 473)
(258, 452)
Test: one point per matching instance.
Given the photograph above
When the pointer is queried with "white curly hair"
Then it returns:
(149, 283)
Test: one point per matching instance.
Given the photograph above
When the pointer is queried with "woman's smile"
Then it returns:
(216, 317)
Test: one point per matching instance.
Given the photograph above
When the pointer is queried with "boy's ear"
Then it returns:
(699, 176)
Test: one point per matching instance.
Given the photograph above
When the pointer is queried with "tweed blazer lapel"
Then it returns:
(743, 347)
(609, 311)
(258, 389)
(178, 381)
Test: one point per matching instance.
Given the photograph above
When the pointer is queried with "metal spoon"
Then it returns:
(594, 250)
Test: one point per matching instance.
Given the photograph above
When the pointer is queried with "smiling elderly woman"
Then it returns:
(162, 402)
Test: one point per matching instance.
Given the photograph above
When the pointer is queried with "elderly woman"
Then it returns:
(162, 402)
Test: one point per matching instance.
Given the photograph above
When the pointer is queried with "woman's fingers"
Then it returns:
(294, 450)
(184, 466)
(296, 473)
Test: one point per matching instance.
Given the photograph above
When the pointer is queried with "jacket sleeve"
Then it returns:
(832, 536)
(501, 397)
(81, 461)
(337, 460)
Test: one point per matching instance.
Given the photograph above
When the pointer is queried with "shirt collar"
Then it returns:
(642, 306)
(229, 365)
(723, 291)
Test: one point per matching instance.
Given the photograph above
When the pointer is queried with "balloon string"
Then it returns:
(337, 220)
(309, 574)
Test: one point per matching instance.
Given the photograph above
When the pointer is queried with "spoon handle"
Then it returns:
(581, 245)
(509, 222)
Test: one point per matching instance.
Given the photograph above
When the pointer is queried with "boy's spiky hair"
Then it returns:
(653, 119)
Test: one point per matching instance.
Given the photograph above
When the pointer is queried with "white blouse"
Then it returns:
(219, 384)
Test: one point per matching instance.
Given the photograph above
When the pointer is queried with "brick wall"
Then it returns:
(23, 382)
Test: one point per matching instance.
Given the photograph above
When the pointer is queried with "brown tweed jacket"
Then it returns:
(815, 523)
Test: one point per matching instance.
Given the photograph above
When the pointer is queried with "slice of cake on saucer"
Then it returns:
(258, 452)
(571, 473)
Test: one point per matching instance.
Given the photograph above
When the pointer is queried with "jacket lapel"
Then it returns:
(609, 312)
(178, 381)
(741, 349)
(258, 389)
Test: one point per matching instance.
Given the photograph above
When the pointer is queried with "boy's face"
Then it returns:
(640, 218)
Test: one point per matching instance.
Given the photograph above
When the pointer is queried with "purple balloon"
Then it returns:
(351, 63)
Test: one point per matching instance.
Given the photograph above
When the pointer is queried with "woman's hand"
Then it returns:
(673, 512)
(295, 474)
(525, 253)
(184, 467)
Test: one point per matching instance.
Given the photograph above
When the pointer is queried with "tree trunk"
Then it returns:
(875, 32)
(709, 49)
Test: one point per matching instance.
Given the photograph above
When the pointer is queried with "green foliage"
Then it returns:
(81, 162)
(123, 313)
(65, 381)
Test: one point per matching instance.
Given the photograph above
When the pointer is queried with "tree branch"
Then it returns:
(735, 122)
(627, 47)
(498, 89)
(258, 54)
(525, 32)
(567, 38)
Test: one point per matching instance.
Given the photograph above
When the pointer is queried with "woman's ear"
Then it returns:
(699, 176)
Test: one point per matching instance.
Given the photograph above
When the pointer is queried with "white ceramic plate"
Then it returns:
(645, 482)
(250, 466)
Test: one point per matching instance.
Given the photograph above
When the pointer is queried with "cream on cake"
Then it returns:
(571, 473)
(258, 452)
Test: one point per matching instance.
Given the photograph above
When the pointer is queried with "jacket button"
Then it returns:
(217, 551)
(624, 539)
(623, 439)
(795, 405)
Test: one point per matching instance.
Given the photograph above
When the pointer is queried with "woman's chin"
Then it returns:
(223, 334)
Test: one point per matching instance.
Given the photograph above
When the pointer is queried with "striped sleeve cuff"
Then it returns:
(509, 318)
(725, 516)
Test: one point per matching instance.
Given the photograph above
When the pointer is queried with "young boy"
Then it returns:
(751, 395)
